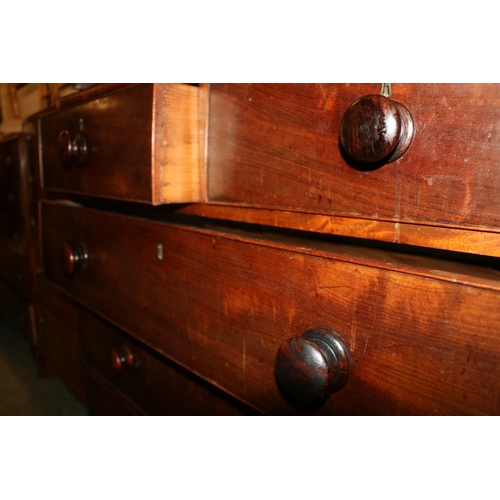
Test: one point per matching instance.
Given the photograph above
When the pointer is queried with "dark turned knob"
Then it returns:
(74, 259)
(312, 366)
(121, 358)
(74, 152)
(81, 149)
(65, 149)
(376, 129)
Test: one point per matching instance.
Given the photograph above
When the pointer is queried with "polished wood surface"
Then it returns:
(155, 385)
(473, 241)
(175, 314)
(423, 338)
(276, 146)
(376, 130)
(140, 144)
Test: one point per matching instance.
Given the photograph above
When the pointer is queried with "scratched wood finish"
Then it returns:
(277, 146)
(157, 386)
(144, 145)
(422, 341)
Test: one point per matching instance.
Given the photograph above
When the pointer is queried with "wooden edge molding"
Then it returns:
(474, 241)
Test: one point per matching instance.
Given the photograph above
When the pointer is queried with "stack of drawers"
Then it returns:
(268, 230)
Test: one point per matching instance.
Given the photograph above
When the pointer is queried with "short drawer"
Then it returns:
(277, 146)
(154, 384)
(139, 144)
(424, 339)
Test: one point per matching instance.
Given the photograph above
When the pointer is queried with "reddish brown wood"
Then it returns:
(140, 144)
(470, 240)
(119, 128)
(277, 146)
(220, 303)
(154, 384)
(423, 340)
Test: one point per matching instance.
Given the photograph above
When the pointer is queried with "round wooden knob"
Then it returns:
(65, 149)
(376, 129)
(74, 152)
(74, 259)
(312, 366)
(121, 358)
(80, 149)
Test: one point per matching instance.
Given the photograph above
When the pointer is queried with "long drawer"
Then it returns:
(277, 146)
(139, 144)
(423, 340)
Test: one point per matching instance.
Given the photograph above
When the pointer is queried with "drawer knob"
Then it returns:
(376, 129)
(65, 149)
(81, 149)
(312, 366)
(74, 259)
(73, 152)
(121, 358)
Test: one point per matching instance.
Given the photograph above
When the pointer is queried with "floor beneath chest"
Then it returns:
(22, 392)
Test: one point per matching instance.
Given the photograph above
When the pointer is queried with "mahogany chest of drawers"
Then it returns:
(283, 276)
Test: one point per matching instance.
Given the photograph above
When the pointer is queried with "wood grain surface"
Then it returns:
(277, 146)
(423, 340)
(144, 144)
(156, 385)
(457, 239)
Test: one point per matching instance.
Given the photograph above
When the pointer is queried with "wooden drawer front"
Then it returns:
(277, 146)
(221, 306)
(143, 145)
(104, 400)
(153, 383)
